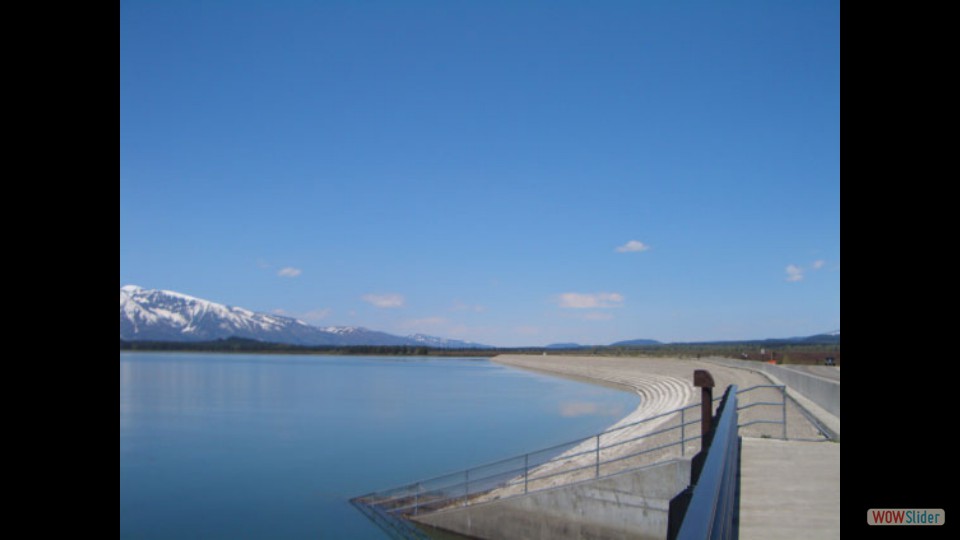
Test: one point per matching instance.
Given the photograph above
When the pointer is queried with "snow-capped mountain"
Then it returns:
(155, 315)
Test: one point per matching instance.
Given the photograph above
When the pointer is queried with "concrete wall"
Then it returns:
(823, 392)
(632, 505)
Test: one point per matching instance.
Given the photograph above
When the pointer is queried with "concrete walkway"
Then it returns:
(789, 490)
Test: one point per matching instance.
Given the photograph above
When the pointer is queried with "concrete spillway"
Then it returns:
(632, 505)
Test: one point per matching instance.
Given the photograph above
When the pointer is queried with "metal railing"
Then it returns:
(782, 405)
(397, 528)
(713, 506)
(616, 450)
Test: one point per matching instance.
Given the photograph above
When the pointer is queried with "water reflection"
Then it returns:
(234, 445)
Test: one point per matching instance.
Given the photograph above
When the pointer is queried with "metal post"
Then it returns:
(598, 456)
(466, 484)
(704, 380)
(783, 396)
(526, 473)
(683, 432)
(416, 498)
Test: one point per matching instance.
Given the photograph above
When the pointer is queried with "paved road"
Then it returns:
(827, 372)
(790, 490)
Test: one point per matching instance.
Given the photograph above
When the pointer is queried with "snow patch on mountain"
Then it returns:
(159, 315)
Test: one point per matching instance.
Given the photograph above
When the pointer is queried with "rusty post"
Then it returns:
(704, 380)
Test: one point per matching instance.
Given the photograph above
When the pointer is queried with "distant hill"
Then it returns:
(824, 339)
(832, 338)
(443, 343)
(567, 346)
(636, 343)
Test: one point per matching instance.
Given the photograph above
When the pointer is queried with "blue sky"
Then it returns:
(513, 173)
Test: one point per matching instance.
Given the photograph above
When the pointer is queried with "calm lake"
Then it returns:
(257, 446)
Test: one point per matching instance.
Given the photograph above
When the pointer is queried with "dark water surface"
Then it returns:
(257, 446)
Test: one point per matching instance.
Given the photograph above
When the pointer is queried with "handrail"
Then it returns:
(554, 448)
(457, 482)
(530, 472)
(713, 506)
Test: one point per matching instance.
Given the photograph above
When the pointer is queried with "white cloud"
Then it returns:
(590, 301)
(794, 273)
(385, 301)
(633, 246)
(819, 264)
(289, 272)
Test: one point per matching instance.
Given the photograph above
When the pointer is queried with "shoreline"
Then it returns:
(622, 387)
(659, 393)
(660, 390)
(615, 372)
(666, 384)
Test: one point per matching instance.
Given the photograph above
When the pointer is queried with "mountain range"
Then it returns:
(156, 315)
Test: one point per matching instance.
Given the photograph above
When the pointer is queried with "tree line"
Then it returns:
(780, 351)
